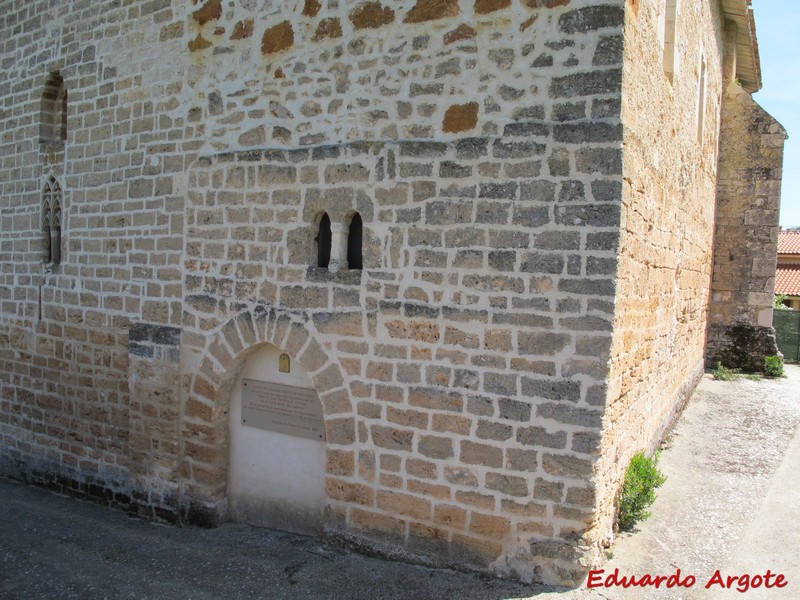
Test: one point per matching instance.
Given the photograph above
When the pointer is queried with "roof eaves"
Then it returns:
(748, 63)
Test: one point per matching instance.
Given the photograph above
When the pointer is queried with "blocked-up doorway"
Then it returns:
(277, 447)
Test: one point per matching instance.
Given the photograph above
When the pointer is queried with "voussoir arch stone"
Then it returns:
(207, 404)
(234, 340)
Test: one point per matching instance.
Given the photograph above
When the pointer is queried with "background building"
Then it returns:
(787, 285)
(787, 276)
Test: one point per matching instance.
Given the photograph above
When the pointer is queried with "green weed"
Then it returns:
(638, 491)
(773, 366)
(723, 373)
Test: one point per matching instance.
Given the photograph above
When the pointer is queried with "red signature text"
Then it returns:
(747, 582)
(741, 583)
(614, 579)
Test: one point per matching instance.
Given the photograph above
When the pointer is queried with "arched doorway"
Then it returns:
(276, 475)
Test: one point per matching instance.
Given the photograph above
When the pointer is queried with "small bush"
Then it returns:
(723, 373)
(778, 302)
(773, 366)
(638, 491)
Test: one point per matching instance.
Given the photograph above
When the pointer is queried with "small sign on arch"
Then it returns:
(283, 409)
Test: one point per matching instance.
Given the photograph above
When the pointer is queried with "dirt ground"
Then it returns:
(730, 503)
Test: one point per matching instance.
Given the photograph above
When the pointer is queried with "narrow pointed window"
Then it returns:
(53, 116)
(670, 37)
(324, 242)
(47, 228)
(51, 222)
(701, 101)
(55, 236)
(354, 243)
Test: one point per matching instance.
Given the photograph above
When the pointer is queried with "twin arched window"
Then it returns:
(355, 236)
(355, 259)
(51, 221)
(324, 240)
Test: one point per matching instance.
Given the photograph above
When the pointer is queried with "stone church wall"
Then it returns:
(67, 412)
(487, 373)
(665, 255)
(740, 332)
(459, 370)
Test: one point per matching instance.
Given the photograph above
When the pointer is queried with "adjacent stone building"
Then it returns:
(740, 332)
(421, 276)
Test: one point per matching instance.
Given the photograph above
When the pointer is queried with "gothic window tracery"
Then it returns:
(51, 221)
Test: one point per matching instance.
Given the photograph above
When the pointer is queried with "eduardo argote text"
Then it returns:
(742, 583)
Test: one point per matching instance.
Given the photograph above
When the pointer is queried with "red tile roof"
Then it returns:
(789, 242)
(787, 279)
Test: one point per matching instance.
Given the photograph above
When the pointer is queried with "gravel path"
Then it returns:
(731, 501)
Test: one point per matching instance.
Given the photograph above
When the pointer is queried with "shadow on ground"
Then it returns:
(57, 547)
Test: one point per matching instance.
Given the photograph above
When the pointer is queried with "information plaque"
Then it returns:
(282, 408)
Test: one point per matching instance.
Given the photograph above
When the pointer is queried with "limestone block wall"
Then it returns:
(462, 369)
(528, 310)
(66, 413)
(665, 245)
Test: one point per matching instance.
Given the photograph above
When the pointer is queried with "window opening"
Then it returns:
(354, 243)
(51, 222)
(324, 242)
(53, 118)
(701, 101)
(670, 32)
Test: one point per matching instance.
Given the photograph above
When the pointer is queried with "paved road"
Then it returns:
(731, 503)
